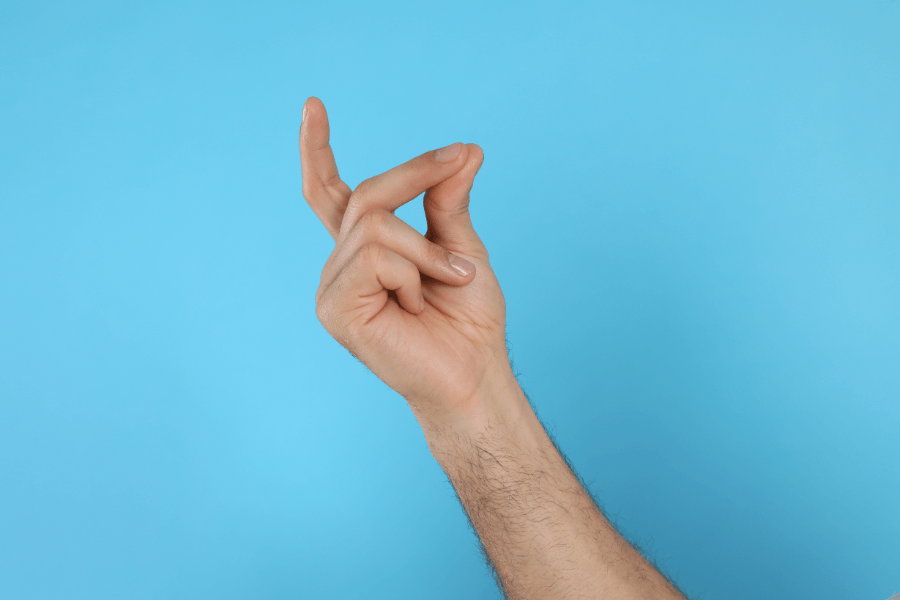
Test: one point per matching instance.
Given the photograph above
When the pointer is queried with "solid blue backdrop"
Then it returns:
(693, 209)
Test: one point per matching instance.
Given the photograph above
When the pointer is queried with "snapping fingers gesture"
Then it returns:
(424, 313)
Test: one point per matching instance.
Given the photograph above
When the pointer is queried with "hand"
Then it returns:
(424, 313)
(433, 328)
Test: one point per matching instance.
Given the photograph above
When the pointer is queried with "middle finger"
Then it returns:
(385, 228)
(396, 187)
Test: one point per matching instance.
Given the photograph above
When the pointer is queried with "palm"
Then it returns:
(443, 351)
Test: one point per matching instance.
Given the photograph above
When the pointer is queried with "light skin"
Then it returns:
(427, 316)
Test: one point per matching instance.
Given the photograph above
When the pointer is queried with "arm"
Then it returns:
(542, 531)
(426, 314)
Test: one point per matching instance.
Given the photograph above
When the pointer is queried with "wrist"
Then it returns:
(498, 408)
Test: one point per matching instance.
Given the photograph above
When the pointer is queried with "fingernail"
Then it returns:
(461, 265)
(447, 153)
(303, 116)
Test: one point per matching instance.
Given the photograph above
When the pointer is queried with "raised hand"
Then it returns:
(424, 313)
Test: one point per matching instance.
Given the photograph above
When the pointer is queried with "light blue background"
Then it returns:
(693, 209)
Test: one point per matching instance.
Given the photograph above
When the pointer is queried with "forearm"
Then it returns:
(427, 315)
(541, 529)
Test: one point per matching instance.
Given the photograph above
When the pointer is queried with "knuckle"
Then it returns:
(328, 314)
(309, 190)
(323, 312)
(356, 203)
(375, 220)
(362, 189)
(333, 182)
(371, 253)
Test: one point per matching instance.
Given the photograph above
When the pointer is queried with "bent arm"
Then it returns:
(542, 531)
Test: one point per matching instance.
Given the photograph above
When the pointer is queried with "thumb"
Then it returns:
(447, 209)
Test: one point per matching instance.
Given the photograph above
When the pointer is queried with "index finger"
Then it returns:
(323, 189)
(396, 187)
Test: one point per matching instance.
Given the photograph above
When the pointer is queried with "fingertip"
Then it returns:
(314, 111)
(314, 101)
(476, 154)
(412, 306)
(315, 132)
(451, 154)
